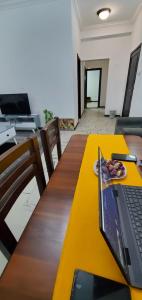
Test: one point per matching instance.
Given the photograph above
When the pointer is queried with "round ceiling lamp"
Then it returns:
(103, 13)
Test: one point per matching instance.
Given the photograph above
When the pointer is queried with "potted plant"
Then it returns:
(48, 115)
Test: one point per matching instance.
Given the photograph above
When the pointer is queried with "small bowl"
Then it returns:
(95, 169)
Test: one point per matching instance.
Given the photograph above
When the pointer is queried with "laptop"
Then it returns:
(121, 224)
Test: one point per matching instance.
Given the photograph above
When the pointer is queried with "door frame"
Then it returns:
(100, 84)
(85, 87)
(79, 85)
(128, 75)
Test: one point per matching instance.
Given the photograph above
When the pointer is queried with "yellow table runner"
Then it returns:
(84, 247)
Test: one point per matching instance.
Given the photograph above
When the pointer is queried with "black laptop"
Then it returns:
(121, 224)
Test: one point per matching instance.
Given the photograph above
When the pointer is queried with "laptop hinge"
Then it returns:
(127, 256)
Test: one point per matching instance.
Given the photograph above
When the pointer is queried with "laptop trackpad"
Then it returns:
(87, 286)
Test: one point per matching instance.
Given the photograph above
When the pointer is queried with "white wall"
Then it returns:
(136, 104)
(117, 50)
(103, 30)
(137, 31)
(36, 55)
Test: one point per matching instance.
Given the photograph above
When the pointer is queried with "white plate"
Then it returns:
(95, 169)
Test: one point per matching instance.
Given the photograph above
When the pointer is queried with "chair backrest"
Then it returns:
(17, 167)
(50, 136)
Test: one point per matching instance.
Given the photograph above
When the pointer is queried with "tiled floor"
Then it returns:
(92, 121)
(92, 104)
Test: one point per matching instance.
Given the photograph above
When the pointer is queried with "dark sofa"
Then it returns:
(129, 126)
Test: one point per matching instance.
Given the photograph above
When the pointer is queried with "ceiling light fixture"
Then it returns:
(103, 13)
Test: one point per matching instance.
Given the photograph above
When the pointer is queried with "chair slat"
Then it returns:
(13, 154)
(50, 136)
(8, 181)
(17, 167)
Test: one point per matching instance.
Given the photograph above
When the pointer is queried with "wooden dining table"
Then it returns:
(31, 272)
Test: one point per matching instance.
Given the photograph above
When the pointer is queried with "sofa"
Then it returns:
(129, 126)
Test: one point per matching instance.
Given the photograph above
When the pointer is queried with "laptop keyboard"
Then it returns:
(133, 196)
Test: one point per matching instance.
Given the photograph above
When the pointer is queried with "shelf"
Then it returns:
(31, 122)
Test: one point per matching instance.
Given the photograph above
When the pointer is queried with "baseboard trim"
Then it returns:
(109, 116)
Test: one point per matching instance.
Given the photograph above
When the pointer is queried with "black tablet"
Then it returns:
(87, 286)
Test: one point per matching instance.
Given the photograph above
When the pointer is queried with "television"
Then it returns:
(15, 104)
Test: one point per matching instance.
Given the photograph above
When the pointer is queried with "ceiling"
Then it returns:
(121, 10)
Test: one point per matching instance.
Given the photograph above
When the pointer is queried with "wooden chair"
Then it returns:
(17, 167)
(50, 136)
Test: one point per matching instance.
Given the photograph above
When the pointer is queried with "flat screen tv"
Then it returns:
(15, 104)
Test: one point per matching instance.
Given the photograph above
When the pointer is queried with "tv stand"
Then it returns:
(30, 122)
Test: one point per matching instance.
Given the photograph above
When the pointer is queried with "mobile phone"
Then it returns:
(87, 286)
(124, 157)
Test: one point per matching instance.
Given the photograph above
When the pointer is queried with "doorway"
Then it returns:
(93, 87)
(132, 72)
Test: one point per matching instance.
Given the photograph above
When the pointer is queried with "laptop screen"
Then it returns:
(109, 217)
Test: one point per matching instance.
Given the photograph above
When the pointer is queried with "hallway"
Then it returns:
(92, 121)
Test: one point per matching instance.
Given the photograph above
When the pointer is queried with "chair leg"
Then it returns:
(7, 238)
